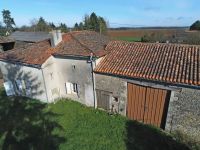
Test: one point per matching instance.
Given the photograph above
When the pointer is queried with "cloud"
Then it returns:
(152, 8)
(183, 18)
(180, 18)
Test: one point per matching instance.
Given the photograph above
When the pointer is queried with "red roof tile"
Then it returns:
(35, 54)
(171, 63)
(81, 43)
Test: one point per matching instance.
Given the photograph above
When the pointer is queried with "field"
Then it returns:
(138, 33)
(67, 125)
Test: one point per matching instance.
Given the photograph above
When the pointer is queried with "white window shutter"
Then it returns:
(9, 88)
(68, 87)
(78, 88)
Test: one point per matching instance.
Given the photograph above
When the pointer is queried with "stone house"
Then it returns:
(61, 66)
(154, 83)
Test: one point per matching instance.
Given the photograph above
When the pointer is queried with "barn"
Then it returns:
(154, 83)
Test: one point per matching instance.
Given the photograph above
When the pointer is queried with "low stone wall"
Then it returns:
(184, 112)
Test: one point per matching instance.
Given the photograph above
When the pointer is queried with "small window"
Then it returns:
(116, 99)
(71, 87)
(75, 87)
(73, 67)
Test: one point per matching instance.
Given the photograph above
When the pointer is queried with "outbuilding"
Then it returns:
(154, 83)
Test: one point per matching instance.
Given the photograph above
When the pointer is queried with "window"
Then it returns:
(9, 88)
(75, 87)
(71, 87)
(73, 67)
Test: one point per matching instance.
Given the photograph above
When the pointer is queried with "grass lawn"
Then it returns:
(68, 125)
(129, 39)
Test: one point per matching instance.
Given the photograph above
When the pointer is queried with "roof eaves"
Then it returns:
(69, 56)
(22, 63)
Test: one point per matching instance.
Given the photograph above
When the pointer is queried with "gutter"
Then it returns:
(93, 79)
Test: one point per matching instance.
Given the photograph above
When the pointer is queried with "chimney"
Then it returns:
(56, 37)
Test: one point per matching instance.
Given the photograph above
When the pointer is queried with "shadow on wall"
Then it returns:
(144, 137)
(23, 83)
(25, 124)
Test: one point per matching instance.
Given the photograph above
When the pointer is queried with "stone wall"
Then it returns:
(117, 86)
(184, 112)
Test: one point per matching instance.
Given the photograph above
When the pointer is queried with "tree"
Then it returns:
(102, 25)
(81, 26)
(52, 26)
(42, 25)
(63, 28)
(86, 22)
(8, 20)
(76, 27)
(94, 22)
(195, 26)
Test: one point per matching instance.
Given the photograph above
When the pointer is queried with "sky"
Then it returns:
(119, 13)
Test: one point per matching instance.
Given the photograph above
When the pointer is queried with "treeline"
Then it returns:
(41, 25)
(92, 22)
(181, 37)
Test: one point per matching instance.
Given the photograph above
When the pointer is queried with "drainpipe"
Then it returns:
(93, 79)
(45, 85)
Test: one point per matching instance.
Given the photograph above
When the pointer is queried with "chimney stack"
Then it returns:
(56, 37)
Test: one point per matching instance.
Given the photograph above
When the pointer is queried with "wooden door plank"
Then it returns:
(164, 94)
(146, 105)
(154, 107)
(150, 105)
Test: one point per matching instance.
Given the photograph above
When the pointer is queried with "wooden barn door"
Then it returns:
(147, 105)
(103, 99)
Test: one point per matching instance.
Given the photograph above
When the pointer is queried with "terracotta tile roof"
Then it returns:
(35, 54)
(83, 43)
(169, 63)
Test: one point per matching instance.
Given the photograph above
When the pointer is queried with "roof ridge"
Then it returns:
(87, 48)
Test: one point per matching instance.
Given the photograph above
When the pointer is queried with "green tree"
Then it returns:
(102, 25)
(195, 26)
(81, 26)
(76, 27)
(8, 20)
(86, 22)
(94, 22)
(42, 25)
(63, 28)
(52, 26)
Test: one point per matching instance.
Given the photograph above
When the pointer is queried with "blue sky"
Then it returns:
(117, 12)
